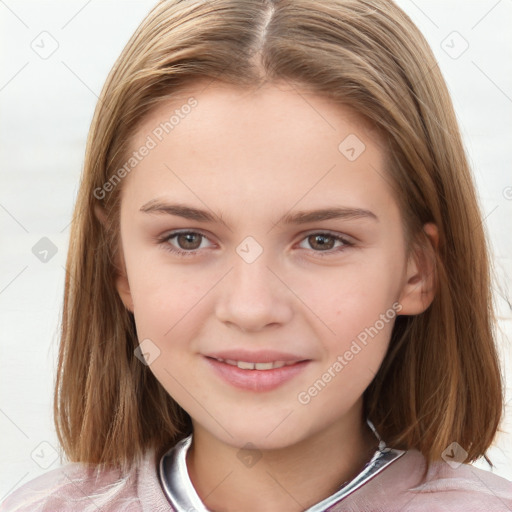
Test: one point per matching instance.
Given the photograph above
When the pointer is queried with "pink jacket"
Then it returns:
(397, 488)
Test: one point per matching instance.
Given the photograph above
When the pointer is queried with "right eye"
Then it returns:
(184, 243)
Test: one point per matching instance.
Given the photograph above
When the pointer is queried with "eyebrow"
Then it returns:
(300, 217)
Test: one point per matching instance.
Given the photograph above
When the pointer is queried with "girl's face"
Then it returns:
(259, 226)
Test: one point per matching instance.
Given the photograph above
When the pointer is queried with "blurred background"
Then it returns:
(54, 59)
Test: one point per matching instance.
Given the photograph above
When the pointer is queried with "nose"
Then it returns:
(253, 297)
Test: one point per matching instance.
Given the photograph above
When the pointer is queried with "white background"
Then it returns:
(46, 106)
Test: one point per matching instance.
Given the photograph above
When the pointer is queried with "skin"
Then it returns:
(250, 157)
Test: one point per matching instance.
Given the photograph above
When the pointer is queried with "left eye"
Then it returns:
(323, 242)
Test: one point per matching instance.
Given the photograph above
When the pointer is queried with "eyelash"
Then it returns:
(164, 242)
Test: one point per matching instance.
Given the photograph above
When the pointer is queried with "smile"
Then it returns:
(259, 377)
(247, 365)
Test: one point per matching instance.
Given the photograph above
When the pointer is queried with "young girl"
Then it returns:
(277, 293)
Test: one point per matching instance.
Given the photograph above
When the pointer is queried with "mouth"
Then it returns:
(256, 376)
(248, 365)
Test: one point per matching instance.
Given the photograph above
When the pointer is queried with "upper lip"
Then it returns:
(256, 356)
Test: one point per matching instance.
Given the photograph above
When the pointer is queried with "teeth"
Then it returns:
(263, 366)
(246, 365)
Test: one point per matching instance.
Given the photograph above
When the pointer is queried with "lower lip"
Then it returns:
(256, 380)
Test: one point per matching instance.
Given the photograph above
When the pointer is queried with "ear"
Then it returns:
(100, 214)
(123, 288)
(121, 280)
(420, 281)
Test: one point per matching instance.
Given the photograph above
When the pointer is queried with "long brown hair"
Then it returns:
(440, 380)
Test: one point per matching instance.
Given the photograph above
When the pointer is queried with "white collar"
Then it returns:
(180, 492)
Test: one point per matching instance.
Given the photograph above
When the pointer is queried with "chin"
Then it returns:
(269, 435)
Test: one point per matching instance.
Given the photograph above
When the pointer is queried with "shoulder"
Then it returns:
(74, 486)
(86, 487)
(466, 487)
(461, 488)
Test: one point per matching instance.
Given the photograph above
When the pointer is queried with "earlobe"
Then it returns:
(123, 288)
(100, 214)
(420, 283)
(122, 283)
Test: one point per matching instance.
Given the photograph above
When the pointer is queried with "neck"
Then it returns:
(291, 478)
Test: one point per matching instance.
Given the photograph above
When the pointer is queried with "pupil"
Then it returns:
(188, 239)
(323, 241)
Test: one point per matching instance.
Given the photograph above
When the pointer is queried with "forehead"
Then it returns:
(276, 141)
(281, 104)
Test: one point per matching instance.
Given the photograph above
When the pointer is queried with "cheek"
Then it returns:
(352, 297)
(161, 293)
(357, 307)
(161, 302)
(360, 320)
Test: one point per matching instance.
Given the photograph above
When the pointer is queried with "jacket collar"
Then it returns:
(180, 492)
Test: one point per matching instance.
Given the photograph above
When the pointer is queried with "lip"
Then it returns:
(260, 356)
(256, 380)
